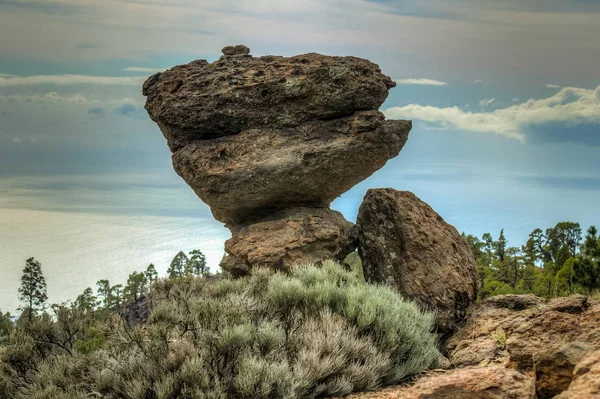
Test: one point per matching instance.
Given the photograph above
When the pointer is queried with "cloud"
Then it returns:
(144, 70)
(37, 80)
(571, 105)
(424, 82)
(21, 140)
(478, 81)
(51, 97)
(486, 101)
(554, 86)
(55, 98)
(129, 109)
(96, 113)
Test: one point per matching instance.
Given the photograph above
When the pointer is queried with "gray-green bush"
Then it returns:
(316, 332)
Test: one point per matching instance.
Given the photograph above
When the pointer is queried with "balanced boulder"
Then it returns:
(406, 244)
(269, 142)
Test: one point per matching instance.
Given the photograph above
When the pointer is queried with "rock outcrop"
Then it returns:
(406, 244)
(269, 142)
(501, 330)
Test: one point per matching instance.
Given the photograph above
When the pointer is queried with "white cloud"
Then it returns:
(55, 98)
(144, 70)
(486, 101)
(17, 140)
(570, 105)
(478, 81)
(37, 80)
(554, 86)
(423, 82)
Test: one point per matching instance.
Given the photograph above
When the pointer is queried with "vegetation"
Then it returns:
(32, 292)
(552, 263)
(315, 332)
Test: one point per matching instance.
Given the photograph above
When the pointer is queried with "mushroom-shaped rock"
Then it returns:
(269, 142)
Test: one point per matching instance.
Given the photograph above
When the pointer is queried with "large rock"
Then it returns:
(554, 367)
(260, 171)
(269, 142)
(289, 237)
(586, 379)
(202, 101)
(406, 244)
(515, 334)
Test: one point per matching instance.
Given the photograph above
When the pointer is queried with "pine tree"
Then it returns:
(103, 293)
(500, 246)
(196, 263)
(6, 327)
(151, 273)
(86, 302)
(178, 265)
(115, 297)
(33, 288)
(591, 245)
(135, 288)
(586, 272)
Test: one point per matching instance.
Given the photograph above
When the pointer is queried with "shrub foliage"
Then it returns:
(316, 332)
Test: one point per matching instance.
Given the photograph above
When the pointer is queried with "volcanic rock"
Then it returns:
(200, 101)
(406, 244)
(586, 379)
(260, 171)
(269, 142)
(470, 383)
(554, 367)
(519, 335)
(290, 237)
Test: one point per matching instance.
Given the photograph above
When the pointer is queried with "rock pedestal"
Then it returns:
(269, 142)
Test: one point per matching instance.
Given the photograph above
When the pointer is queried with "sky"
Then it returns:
(504, 96)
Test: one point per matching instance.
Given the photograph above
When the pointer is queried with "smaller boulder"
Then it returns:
(554, 368)
(406, 244)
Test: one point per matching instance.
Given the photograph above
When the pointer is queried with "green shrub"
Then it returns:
(316, 332)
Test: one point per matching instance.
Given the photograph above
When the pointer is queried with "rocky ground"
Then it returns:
(516, 346)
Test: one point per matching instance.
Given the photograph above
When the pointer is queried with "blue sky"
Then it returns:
(504, 95)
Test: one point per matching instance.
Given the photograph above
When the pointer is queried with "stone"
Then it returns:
(514, 302)
(239, 49)
(260, 171)
(469, 383)
(202, 100)
(554, 367)
(528, 331)
(586, 379)
(406, 244)
(289, 237)
(269, 142)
